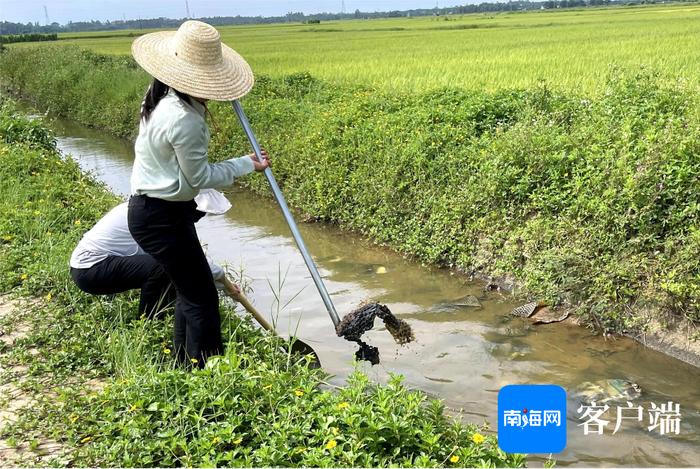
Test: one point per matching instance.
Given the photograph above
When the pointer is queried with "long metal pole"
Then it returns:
(288, 216)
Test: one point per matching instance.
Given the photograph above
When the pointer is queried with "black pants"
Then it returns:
(165, 230)
(117, 274)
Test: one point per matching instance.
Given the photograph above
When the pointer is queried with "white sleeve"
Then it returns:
(218, 274)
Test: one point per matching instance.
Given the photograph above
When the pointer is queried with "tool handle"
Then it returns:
(243, 300)
(288, 216)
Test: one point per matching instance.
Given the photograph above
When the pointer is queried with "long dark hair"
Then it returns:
(155, 93)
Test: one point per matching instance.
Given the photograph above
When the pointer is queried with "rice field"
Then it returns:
(570, 49)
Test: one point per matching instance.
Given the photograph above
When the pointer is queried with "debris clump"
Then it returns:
(361, 320)
(526, 310)
(367, 353)
(540, 313)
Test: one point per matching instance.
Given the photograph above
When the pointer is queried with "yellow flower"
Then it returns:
(73, 419)
(49, 296)
(166, 351)
(132, 408)
(331, 444)
(24, 277)
(216, 440)
(237, 441)
(299, 392)
(7, 238)
(86, 439)
(478, 438)
(194, 360)
(454, 459)
(76, 222)
(343, 405)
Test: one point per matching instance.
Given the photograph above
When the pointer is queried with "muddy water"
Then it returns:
(461, 354)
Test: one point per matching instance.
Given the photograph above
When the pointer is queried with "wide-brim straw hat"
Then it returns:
(194, 61)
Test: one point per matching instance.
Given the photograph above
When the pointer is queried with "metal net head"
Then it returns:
(356, 323)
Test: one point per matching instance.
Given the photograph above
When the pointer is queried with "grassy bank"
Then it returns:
(589, 201)
(103, 379)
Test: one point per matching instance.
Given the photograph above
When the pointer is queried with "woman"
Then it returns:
(107, 260)
(190, 67)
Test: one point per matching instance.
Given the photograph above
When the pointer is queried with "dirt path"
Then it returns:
(12, 398)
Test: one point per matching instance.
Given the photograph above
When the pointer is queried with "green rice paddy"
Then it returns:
(569, 49)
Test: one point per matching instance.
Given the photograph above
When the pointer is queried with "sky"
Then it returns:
(63, 11)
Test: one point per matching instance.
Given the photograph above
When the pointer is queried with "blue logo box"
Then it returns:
(532, 418)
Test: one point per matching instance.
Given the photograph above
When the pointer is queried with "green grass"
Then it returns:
(570, 49)
(254, 406)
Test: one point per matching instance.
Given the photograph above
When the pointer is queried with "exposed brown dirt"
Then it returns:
(677, 338)
(13, 398)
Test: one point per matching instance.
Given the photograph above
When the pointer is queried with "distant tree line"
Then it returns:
(8, 28)
(30, 37)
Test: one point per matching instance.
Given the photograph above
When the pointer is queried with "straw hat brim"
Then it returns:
(231, 79)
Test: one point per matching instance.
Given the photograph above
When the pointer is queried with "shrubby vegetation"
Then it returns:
(100, 91)
(35, 37)
(111, 395)
(589, 201)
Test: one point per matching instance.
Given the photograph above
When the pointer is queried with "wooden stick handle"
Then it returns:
(241, 298)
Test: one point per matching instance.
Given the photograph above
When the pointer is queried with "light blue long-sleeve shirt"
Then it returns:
(171, 154)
